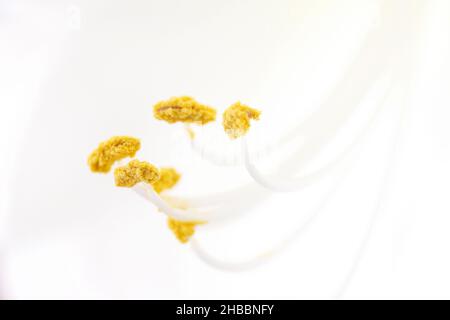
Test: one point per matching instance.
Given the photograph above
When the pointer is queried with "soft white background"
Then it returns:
(73, 73)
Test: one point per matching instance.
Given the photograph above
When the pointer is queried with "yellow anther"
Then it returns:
(183, 230)
(112, 150)
(136, 172)
(168, 178)
(183, 109)
(236, 119)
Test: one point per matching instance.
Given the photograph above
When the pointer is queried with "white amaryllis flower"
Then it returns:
(285, 210)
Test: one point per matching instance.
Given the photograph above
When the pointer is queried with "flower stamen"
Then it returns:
(236, 119)
(109, 152)
(184, 109)
(135, 172)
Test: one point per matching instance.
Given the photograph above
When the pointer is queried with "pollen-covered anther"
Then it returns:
(135, 172)
(236, 119)
(108, 152)
(184, 109)
(169, 177)
(183, 230)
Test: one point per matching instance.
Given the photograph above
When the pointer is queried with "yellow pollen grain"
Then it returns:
(168, 178)
(108, 152)
(236, 119)
(183, 109)
(135, 172)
